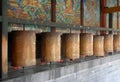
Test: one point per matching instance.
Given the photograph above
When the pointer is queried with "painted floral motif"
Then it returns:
(30, 9)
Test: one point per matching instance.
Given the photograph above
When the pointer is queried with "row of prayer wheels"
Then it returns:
(54, 46)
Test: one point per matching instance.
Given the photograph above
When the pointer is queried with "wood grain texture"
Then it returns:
(4, 55)
(86, 44)
(50, 46)
(71, 48)
(98, 45)
(23, 52)
(116, 43)
(108, 43)
(112, 9)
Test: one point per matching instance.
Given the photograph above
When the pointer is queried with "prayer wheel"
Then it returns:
(70, 48)
(116, 43)
(86, 44)
(23, 48)
(98, 45)
(108, 43)
(50, 46)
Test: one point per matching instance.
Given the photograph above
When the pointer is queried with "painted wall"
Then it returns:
(91, 13)
(67, 11)
(30, 9)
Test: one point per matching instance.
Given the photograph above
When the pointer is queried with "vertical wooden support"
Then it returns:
(3, 40)
(23, 26)
(110, 22)
(102, 15)
(53, 13)
(81, 12)
(118, 16)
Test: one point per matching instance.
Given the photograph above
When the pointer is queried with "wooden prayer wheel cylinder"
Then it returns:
(98, 45)
(23, 48)
(108, 43)
(50, 46)
(70, 48)
(116, 43)
(86, 44)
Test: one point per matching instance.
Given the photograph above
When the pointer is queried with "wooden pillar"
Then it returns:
(110, 22)
(81, 12)
(102, 15)
(3, 39)
(53, 13)
(118, 16)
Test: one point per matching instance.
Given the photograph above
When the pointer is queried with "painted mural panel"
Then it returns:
(30, 9)
(112, 3)
(68, 11)
(91, 13)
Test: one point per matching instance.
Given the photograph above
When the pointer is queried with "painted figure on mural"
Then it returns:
(69, 4)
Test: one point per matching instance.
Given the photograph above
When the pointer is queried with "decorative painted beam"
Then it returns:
(58, 25)
(112, 9)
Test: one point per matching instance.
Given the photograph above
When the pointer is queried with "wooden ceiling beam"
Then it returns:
(112, 9)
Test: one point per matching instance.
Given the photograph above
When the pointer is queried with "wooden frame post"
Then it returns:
(81, 12)
(3, 39)
(118, 16)
(110, 22)
(53, 13)
(102, 15)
